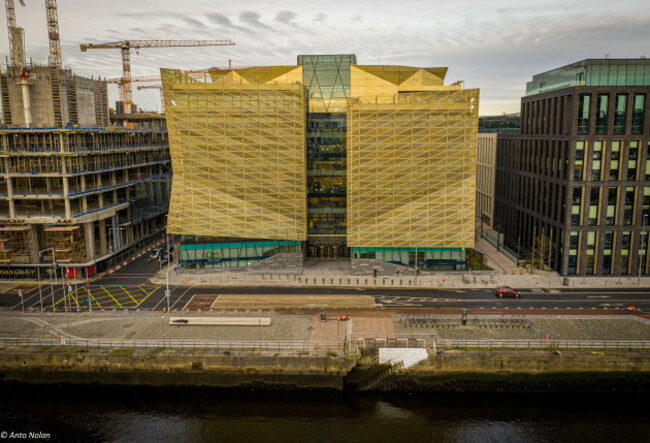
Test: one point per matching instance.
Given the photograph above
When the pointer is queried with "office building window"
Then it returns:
(611, 206)
(646, 202)
(614, 160)
(628, 213)
(626, 240)
(596, 162)
(575, 208)
(620, 114)
(583, 114)
(608, 246)
(638, 113)
(580, 159)
(590, 258)
(601, 114)
(632, 160)
(574, 240)
(593, 206)
(647, 163)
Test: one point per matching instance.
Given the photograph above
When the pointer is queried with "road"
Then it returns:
(129, 288)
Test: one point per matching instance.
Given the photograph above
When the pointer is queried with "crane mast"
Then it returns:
(53, 33)
(10, 7)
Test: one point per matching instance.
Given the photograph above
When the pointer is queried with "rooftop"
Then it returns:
(592, 72)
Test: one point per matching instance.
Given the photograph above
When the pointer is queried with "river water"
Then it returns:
(74, 413)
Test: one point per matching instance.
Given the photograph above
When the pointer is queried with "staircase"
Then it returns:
(379, 377)
(56, 97)
(6, 107)
(71, 95)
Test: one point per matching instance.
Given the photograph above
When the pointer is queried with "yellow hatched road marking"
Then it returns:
(112, 296)
(135, 302)
(119, 305)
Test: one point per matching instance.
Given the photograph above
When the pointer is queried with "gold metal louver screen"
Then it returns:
(237, 141)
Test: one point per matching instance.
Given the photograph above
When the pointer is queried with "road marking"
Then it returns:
(135, 303)
(598, 296)
(182, 295)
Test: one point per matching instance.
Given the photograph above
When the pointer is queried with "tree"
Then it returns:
(542, 251)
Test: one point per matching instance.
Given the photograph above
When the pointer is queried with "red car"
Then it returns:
(507, 291)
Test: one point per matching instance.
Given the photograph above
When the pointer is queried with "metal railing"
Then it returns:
(544, 344)
(169, 344)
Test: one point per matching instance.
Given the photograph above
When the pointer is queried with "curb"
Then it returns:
(138, 255)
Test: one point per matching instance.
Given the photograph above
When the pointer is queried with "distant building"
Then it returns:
(503, 124)
(486, 156)
(327, 156)
(579, 171)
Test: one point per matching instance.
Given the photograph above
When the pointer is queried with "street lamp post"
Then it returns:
(40, 291)
(54, 272)
(417, 219)
(167, 293)
(643, 241)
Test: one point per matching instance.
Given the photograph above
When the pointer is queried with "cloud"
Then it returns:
(320, 17)
(194, 22)
(253, 19)
(356, 19)
(286, 17)
(219, 19)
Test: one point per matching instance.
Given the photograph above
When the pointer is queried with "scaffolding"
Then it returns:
(16, 244)
(68, 243)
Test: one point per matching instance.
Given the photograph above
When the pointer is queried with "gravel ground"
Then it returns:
(289, 328)
(15, 327)
(564, 328)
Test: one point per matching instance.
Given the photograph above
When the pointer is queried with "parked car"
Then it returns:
(156, 254)
(507, 291)
(165, 258)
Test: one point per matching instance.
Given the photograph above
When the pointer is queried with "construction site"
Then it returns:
(81, 187)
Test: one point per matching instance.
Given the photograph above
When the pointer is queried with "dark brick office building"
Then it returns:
(579, 170)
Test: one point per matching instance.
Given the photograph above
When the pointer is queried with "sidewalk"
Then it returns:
(433, 281)
(497, 260)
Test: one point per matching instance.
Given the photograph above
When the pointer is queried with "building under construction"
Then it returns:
(85, 197)
(45, 97)
(74, 190)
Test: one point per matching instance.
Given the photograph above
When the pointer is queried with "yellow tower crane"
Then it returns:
(53, 33)
(10, 6)
(127, 45)
(162, 99)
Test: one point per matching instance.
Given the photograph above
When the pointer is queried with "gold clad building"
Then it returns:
(334, 157)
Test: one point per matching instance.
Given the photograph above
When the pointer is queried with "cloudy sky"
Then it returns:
(492, 45)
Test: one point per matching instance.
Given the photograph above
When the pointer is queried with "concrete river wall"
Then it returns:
(498, 371)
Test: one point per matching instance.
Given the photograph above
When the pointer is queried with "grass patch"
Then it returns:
(123, 351)
(474, 261)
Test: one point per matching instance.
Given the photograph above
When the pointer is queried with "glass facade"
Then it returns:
(435, 259)
(592, 72)
(200, 252)
(327, 79)
(620, 114)
(638, 113)
(583, 114)
(601, 114)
